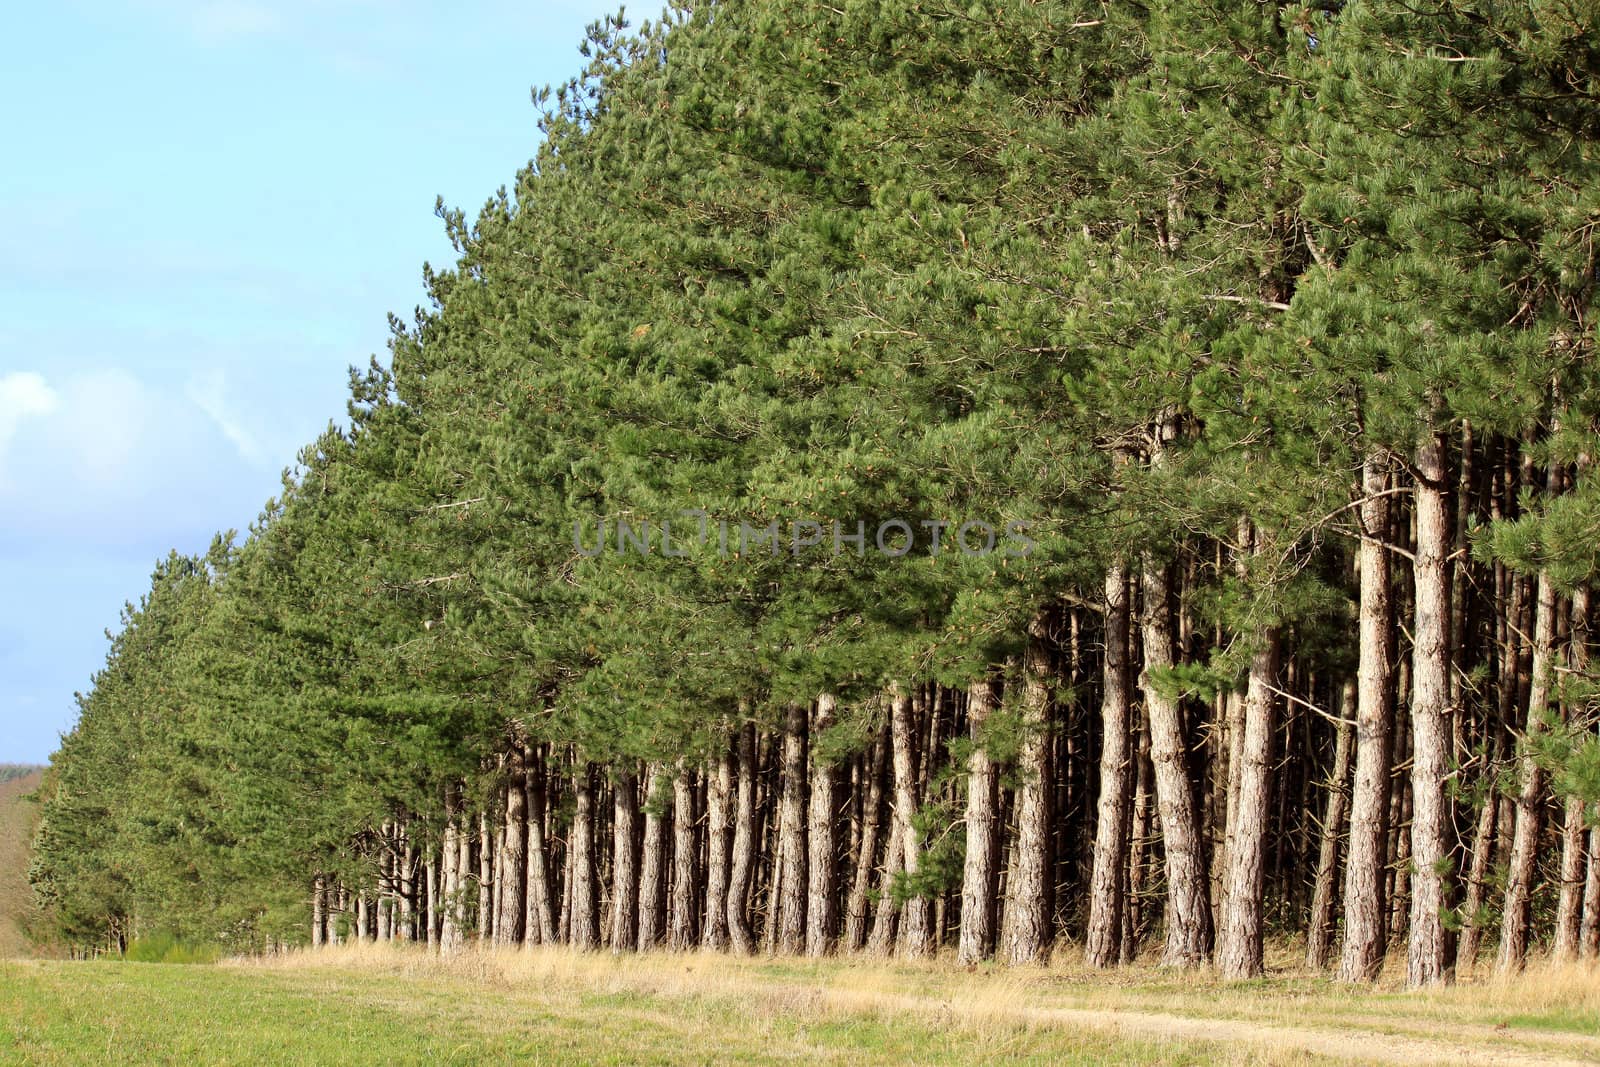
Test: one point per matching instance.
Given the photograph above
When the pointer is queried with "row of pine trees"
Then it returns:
(1271, 325)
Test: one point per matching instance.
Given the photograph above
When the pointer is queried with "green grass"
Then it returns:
(164, 948)
(1562, 1020)
(380, 1004)
(118, 1012)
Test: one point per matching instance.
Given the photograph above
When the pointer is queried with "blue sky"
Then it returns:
(209, 208)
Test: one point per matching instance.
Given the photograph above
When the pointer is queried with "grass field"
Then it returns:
(16, 833)
(378, 1005)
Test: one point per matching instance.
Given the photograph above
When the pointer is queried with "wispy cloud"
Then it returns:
(208, 392)
(222, 21)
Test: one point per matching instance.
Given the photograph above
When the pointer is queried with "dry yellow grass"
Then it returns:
(16, 832)
(1548, 1015)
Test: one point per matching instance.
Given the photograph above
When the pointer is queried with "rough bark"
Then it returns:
(1103, 946)
(1521, 868)
(1427, 950)
(464, 873)
(1364, 928)
(981, 866)
(1569, 908)
(1218, 793)
(1188, 909)
(916, 933)
(384, 900)
(855, 933)
(1025, 933)
(1400, 837)
(341, 905)
(1239, 939)
(540, 922)
(1589, 928)
(319, 911)
(683, 932)
(1483, 843)
(408, 887)
(653, 878)
(719, 819)
(451, 936)
(886, 916)
(791, 855)
(625, 860)
(510, 922)
(1569, 904)
(1141, 835)
(486, 884)
(434, 913)
(744, 844)
(1319, 933)
(584, 931)
(822, 908)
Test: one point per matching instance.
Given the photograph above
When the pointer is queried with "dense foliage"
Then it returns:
(1171, 299)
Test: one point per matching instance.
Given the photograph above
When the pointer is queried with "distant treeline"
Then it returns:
(9, 771)
(1271, 324)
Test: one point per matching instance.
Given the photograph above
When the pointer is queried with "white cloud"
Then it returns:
(117, 460)
(23, 394)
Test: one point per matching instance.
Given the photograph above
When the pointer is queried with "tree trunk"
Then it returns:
(719, 817)
(1569, 912)
(485, 878)
(1319, 935)
(319, 911)
(791, 856)
(383, 902)
(584, 931)
(682, 934)
(1427, 952)
(450, 936)
(855, 935)
(885, 919)
(510, 924)
(1483, 842)
(1239, 941)
(1026, 932)
(1364, 928)
(540, 922)
(822, 909)
(451, 874)
(1103, 947)
(744, 844)
(652, 882)
(1524, 860)
(1188, 910)
(625, 860)
(408, 887)
(916, 933)
(464, 876)
(434, 914)
(981, 866)
(1589, 929)
(1400, 838)
(1141, 835)
(1569, 907)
